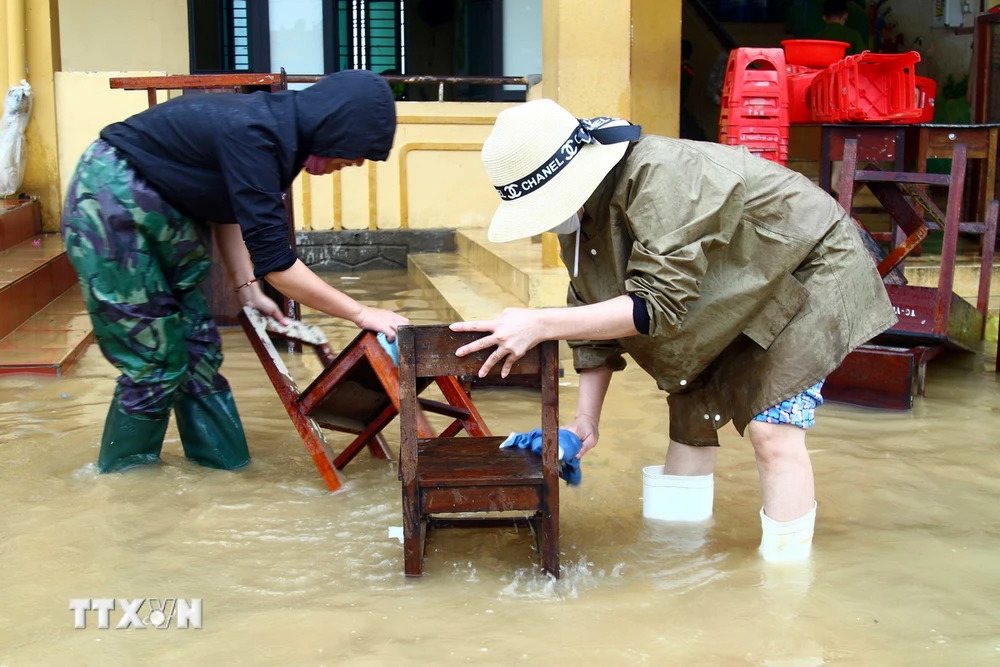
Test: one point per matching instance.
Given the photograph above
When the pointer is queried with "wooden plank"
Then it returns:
(949, 247)
(452, 499)
(915, 307)
(986, 265)
(435, 353)
(965, 324)
(941, 142)
(875, 377)
(312, 436)
(475, 462)
(194, 81)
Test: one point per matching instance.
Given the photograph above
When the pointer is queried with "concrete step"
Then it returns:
(516, 267)
(461, 290)
(50, 340)
(19, 221)
(32, 274)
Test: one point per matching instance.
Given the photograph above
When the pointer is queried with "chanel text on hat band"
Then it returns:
(588, 131)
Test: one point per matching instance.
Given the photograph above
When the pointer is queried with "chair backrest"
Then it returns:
(429, 351)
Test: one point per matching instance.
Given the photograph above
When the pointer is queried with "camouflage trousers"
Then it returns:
(140, 265)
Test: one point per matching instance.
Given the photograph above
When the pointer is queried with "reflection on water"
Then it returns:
(903, 571)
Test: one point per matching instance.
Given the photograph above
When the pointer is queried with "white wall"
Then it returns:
(942, 52)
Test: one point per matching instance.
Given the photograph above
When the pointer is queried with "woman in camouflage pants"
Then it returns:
(136, 222)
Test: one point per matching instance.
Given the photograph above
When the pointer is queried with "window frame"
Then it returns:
(258, 38)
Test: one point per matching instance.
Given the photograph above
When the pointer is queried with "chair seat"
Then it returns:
(476, 462)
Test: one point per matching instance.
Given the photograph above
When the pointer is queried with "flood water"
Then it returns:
(905, 568)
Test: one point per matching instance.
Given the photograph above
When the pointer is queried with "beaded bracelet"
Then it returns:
(246, 284)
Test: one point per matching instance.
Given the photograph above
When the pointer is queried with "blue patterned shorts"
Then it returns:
(798, 410)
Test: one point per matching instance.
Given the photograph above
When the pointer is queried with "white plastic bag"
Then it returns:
(13, 152)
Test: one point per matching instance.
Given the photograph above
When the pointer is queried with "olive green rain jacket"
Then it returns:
(756, 281)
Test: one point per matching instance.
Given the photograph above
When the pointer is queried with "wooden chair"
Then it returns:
(447, 475)
(357, 393)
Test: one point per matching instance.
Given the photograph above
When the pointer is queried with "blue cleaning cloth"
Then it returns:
(569, 446)
(392, 349)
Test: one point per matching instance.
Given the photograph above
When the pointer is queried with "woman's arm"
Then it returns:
(229, 240)
(594, 383)
(297, 282)
(517, 330)
(300, 283)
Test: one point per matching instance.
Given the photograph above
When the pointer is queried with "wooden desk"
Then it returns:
(900, 143)
(938, 141)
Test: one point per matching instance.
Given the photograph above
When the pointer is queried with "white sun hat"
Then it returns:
(545, 164)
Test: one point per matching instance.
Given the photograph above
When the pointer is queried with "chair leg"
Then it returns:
(846, 184)
(550, 542)
(379, 448)
(371, 438)
(414, 531)
(452, 390)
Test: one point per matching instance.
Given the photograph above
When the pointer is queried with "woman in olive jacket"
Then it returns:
(737, 284)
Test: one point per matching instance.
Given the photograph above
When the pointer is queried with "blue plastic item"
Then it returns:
(569, 446)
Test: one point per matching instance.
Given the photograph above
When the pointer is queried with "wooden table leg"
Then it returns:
(824, 160)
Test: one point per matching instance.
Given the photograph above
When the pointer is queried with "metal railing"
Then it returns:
(244, 82)
(440, 80)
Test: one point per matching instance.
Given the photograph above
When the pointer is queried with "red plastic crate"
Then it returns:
(764, 86)
(741, 59)
(747, 134)
(926, 94)
(755, 111)
(867, 88)
(727, 117)
(777, 154)
(798, 102)
(754, 141)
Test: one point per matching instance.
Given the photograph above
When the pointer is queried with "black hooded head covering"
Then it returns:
(349, 115)
(229, 158)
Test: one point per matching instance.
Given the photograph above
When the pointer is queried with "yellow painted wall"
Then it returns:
(443, 183)
(41, 49)
(434, 177)
(85, 104)
(615, 58)
(586, 55)
(655, 73)
(124, 35)
(600, 57)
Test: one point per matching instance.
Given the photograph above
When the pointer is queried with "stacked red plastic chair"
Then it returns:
(755, 103)
(869, 88)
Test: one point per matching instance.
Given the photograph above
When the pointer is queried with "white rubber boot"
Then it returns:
(787, 541)
(676, 497)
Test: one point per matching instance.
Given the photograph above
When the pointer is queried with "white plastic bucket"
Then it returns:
(676, 497)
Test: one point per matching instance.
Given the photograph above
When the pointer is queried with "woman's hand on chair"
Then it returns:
(379, 320)
(514, 332)
(253, 296)
(585, 428)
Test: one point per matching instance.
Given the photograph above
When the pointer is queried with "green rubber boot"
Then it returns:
(129, 440)
(211, 431)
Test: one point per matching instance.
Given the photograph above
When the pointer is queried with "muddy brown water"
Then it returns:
(905, 569)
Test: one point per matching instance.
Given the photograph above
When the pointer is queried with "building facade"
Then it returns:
(596, 57)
